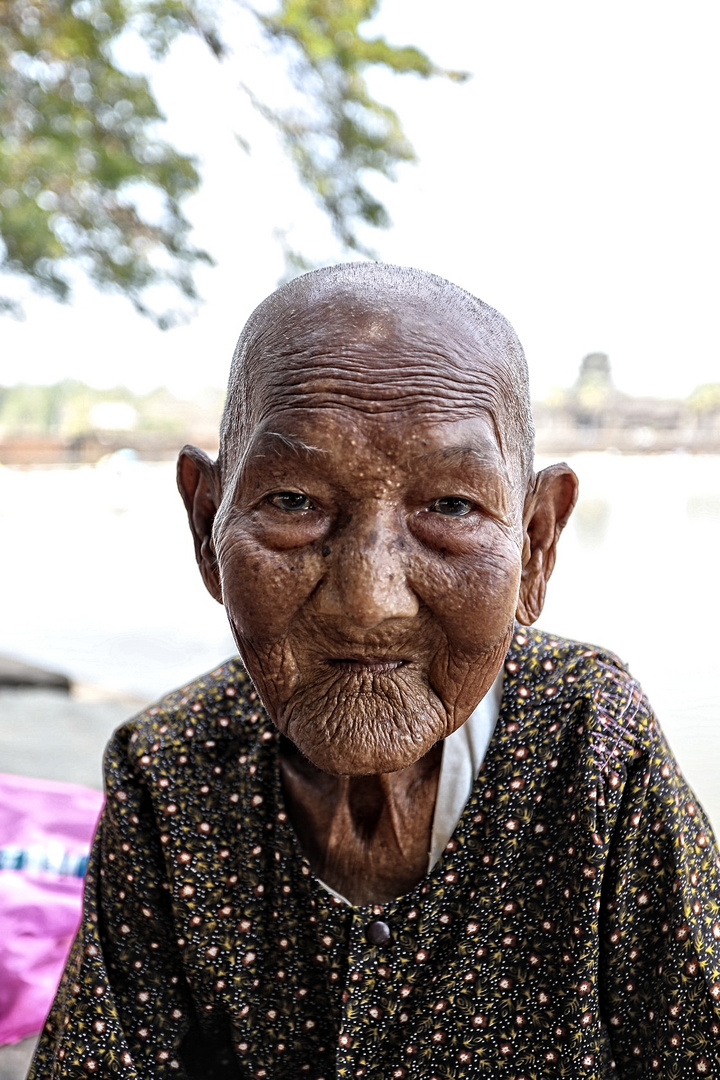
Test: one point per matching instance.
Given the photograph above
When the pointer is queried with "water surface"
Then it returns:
(100, 582)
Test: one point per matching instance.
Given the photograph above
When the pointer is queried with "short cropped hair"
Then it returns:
(384, 286)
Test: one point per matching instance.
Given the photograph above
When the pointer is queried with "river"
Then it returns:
(100, 582)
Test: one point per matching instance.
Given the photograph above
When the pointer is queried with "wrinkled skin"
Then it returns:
(372, 546)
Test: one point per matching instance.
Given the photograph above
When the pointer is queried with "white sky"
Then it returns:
(572, 183)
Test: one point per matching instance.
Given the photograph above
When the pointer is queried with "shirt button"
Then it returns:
(377, 932)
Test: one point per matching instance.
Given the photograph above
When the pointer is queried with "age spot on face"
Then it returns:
(389, 577)
(374, 532)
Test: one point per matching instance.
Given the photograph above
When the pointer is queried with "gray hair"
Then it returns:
(383, 287)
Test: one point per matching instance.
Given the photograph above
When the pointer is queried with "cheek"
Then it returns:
(263, 590)
(473, 597)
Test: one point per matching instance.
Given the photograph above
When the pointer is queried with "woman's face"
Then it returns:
(369, 543)
(370, 572)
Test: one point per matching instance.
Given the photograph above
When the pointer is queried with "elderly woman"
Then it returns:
(406, 836)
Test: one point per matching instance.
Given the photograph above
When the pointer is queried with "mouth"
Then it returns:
(367, 665)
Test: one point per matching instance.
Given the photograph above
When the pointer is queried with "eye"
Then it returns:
(452, 506)
(290, 500)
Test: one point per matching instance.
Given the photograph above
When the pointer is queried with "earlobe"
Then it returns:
(547, 509)
(199, 484)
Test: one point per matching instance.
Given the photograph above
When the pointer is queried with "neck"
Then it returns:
(367, 837)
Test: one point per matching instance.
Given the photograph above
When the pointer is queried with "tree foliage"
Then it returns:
(81, 162)
(340, 134)
(705, 398)
(69, 408)
(80, 152)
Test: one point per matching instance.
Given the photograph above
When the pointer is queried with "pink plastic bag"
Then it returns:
(46, 828)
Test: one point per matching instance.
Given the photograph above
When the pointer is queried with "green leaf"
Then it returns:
(79, 136)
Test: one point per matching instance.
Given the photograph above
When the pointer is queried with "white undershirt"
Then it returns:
(463, 754)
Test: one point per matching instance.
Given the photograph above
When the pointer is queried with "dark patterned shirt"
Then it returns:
(571, 928)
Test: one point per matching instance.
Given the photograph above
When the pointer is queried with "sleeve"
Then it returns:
(660, 926)
(124, 1007)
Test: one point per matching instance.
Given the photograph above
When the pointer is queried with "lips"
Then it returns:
(367, 665)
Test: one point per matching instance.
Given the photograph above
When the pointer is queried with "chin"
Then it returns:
(360, 764)
(375, 740)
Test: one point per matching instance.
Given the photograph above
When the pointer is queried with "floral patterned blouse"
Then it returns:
(571, 928)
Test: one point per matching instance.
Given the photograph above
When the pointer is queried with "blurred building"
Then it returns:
(594, 415)
(72, 423)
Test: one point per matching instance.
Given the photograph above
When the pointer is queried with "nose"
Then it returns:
(366, 580)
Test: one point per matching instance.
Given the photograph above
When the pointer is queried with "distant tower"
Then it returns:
(593, 392)
(596, 365)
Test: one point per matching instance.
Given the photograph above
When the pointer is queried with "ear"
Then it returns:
(199, 482)
(548, 506)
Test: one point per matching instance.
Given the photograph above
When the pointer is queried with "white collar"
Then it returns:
(463, 754)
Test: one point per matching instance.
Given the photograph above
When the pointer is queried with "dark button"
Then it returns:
(377, 932)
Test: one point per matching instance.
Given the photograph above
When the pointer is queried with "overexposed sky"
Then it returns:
(572, 183)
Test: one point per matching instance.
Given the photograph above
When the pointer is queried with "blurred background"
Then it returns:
(165, 165)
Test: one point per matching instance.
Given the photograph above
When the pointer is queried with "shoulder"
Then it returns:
(550, 665)
(585, 689)
(218, 709)
(533, 646)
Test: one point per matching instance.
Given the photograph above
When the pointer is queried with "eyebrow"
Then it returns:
(278, 442)
(461, 453)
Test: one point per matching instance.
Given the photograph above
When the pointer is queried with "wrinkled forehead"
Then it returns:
(428, 355)
(380, 356)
